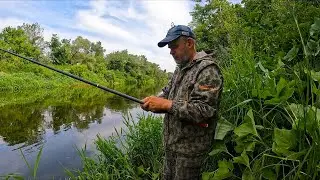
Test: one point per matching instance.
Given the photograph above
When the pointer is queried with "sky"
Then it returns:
(135, 25)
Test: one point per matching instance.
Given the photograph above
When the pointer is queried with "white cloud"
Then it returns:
(133, 25)
(91, 22)
(160, 16)
(10, 21)
(123, 27)
(235, 1)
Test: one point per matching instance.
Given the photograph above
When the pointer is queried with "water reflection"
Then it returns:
(21, 124)
(25, 122)
(60, 119)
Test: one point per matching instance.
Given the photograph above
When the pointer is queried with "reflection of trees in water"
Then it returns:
(26, 123)
(21, 124)
(66, 116)
(119, 104)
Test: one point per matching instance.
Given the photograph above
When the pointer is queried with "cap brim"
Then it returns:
(167, 40)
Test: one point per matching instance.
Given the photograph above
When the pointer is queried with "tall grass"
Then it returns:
(23, 81)
(269, 127)
(132, 153)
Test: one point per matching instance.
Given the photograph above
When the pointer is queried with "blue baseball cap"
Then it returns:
(175, 32)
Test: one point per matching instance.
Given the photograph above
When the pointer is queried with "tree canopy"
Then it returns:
(79, 56)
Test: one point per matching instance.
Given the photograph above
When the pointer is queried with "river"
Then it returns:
(59, 121)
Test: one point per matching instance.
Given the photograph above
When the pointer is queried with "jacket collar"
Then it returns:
(197, 58)
(199, 55)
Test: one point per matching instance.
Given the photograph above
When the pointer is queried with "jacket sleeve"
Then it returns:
(204, 98)
(165, 91)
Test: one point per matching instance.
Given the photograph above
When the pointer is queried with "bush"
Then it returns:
(133, 153)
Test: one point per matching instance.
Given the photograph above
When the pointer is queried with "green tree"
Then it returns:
(97, 49)
(117, 60)
(35, 35)
(81, 51)
(60, 51)
(16, 40)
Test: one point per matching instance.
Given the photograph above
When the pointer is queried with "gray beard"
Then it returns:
(184, 62)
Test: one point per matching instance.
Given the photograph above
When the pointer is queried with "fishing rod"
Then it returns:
(77, 77)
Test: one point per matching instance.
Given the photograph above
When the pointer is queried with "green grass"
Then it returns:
(270, 125)
(132, 153)
(23, 81)
(23, 76)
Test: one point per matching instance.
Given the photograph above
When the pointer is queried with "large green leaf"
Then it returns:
(281, 85)
(315, 89)
(268, 89)
(296, 155)
(284, 92)
(313, 47)
(268, 173)
(224, 171)
(263, 69)
(243, 130)
(309, 120)
(291, 54)
(223, 127)
(314, 75)
(243, 159)
(207, 175)
(248, 175)
(296, 110)
(312, 121)
(280, 64)
(315, 28)
(274, 100)
(284, 89)
(218, 147)
(248, 127)
(283, 141)
(245, 146)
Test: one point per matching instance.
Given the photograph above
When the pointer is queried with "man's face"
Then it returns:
(179, 51)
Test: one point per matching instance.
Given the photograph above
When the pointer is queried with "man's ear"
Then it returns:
(190, 43)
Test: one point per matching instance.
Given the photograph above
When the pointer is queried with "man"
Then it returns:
(190, 102)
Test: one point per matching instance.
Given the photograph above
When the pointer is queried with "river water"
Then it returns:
(59, 121)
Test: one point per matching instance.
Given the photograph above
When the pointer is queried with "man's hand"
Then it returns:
(156, 104)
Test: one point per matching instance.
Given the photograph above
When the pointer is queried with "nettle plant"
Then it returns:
(278, 137)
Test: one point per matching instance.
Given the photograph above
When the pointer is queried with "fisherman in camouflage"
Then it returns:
(190, 102)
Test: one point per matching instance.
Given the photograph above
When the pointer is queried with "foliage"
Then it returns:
(16, 40)
(270, 125)
(133, 153)
(135, 66)
(34, 33)
(267, 25)
(79, 56)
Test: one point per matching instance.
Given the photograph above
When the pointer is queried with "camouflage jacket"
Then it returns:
(195, 91)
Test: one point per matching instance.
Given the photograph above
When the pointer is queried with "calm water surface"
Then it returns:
(60, 121)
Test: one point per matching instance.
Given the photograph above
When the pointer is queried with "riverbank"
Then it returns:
(31, 77)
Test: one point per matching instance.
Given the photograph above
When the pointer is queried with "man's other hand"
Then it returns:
(156, 104)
